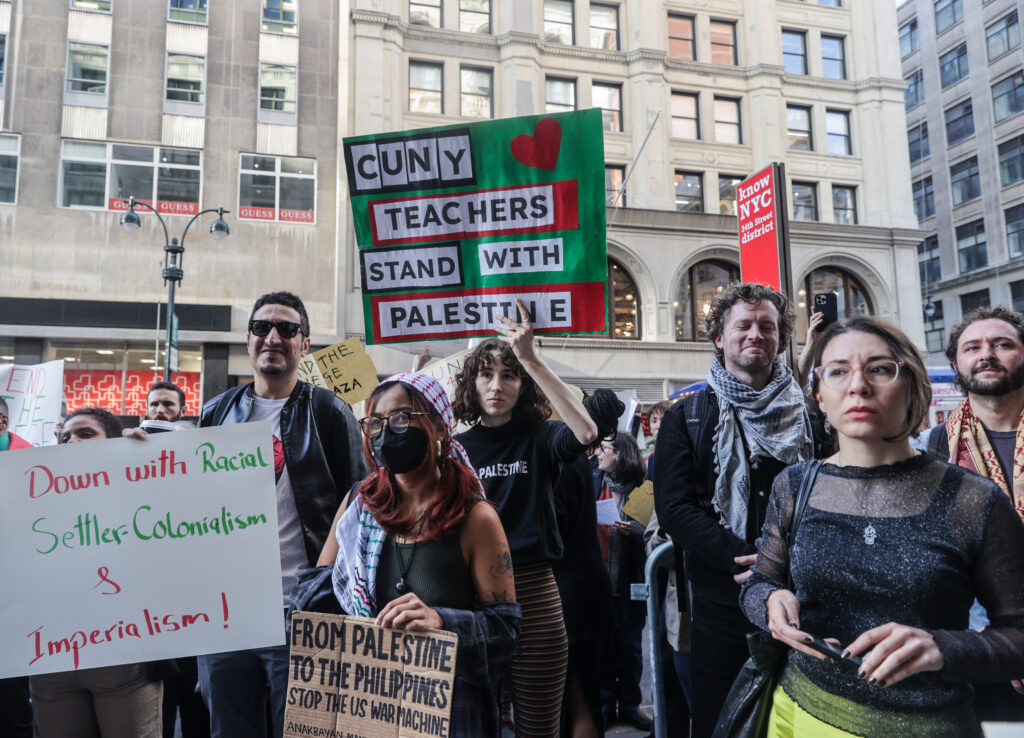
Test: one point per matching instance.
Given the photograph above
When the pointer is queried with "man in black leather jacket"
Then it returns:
(317, 458)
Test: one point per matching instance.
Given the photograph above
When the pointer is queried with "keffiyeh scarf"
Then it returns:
(970, 448)
(773, 423)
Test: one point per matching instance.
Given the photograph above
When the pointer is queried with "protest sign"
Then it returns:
(445, 370)
(33, 394)
(640, 505)
(120, 551)
(349, 678)
(345, 368)
(454, 223)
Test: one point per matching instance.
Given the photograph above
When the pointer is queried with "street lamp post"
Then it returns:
(174, 254)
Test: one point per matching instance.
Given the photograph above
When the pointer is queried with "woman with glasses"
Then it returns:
(419, 547)
(507, 391)
(891, 550)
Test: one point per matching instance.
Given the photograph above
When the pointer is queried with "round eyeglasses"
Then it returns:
(879, 372)
(397, 421)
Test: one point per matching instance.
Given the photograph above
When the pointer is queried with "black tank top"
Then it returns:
(438, 573)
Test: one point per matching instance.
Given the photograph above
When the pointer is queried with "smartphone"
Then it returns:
(828, 649)
(826, 304)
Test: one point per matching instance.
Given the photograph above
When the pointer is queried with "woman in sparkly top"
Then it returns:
(892, 549)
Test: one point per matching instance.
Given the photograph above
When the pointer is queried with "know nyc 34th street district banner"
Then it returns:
(454, 223)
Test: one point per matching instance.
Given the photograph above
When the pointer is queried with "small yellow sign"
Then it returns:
(640, 505)
(345, 368)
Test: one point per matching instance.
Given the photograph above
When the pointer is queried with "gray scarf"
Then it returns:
(773, 422)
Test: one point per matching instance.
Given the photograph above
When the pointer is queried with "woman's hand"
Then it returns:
(408, 612)
(899, 651)
(784, 623)
(519, 335)
(814, 335)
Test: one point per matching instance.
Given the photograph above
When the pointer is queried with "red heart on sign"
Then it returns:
(541, 149)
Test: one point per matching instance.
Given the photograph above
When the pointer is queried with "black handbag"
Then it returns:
(749, 702)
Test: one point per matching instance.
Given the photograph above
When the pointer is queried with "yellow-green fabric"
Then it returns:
(789, 720)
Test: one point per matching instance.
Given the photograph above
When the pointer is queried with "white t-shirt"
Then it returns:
(289, 529)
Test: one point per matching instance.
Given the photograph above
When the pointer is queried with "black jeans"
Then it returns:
(622, 662)
(718, 652)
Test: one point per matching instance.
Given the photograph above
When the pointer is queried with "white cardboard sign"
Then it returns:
(33, 394)
(121, 551)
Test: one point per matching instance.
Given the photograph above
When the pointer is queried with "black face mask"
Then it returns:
(400, 453)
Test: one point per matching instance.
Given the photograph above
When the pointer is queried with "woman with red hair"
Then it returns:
(420, 548)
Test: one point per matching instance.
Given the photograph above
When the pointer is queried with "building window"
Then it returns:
(965, 181)
(559, 95)
(914, 94)
(935, 335)
(105, 175)
(604, 26)
(426, 87)
(277, 188)
(917, 139)
(558, 21)
(698, 287)
(794, 52)
(851, 297)
(723, 43)
(924, 198)
(281, 16)
(185, 76)
(1008, 96)
(609, 99)
(844, 204)
(798, 127)
(833, 58)
(805, 201)
(727, 121)
(189, 11)
(1011, 161)
(3, 61)
(1015, 231)
(727, 184)
(102, 6)
(1017, 295)
(425, 13)
(278, 83)
(624, 307)
(928, 262)
(974, 300)
(690, 192)
(87, 68)
(9, 153)
(475, 95)
(680, 37)
(685, 117)
(837, 123)
(1002, 36)
(614, 195)
(475, 16)
(953, 65)
(959, 122)
(947, 14)
(971, 246)
(909, 39)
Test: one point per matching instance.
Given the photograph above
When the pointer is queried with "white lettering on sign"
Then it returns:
(422, 266)
(511, 257)
(487, 211)
(440, 315)
(418, 162)
(754, 187)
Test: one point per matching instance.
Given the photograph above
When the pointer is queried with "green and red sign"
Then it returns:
(454, 223)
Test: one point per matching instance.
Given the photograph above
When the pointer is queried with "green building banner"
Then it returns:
(454, 223)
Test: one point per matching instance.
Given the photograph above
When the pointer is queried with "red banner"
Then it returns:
(102, 388)
(759, 224)
(296, 216)
(256, 213)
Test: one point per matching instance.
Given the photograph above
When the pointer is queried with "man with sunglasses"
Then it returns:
(317, 458)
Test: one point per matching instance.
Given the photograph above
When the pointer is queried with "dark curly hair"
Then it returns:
(108, 421)
(752, 294)
(983, 313)
(531, 408)
(287, 299)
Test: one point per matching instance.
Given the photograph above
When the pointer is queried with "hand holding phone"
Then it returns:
(834, 652)
(826, 304)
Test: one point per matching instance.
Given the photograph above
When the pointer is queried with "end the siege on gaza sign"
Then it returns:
(454, 223)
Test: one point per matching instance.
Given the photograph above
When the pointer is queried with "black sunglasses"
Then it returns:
(285, 328)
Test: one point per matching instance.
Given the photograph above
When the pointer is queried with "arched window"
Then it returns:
(623, 303)
(693, 297)
(851, 297)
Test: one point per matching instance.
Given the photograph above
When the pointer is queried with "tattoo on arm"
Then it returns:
(503, 567)
(501, 596)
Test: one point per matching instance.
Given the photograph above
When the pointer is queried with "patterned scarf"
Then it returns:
(360, 537)
(774, 424)
(970, 448)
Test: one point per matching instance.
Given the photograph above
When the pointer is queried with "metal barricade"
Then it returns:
(661, 558)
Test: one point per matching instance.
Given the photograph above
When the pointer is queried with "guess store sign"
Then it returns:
(162, 206)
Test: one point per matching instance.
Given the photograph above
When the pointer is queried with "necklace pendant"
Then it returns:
(870, 534)
(401, 587)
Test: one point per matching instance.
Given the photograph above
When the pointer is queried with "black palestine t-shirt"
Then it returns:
(518, 467)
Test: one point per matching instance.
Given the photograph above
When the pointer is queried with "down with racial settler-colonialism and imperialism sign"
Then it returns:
(454, 223)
